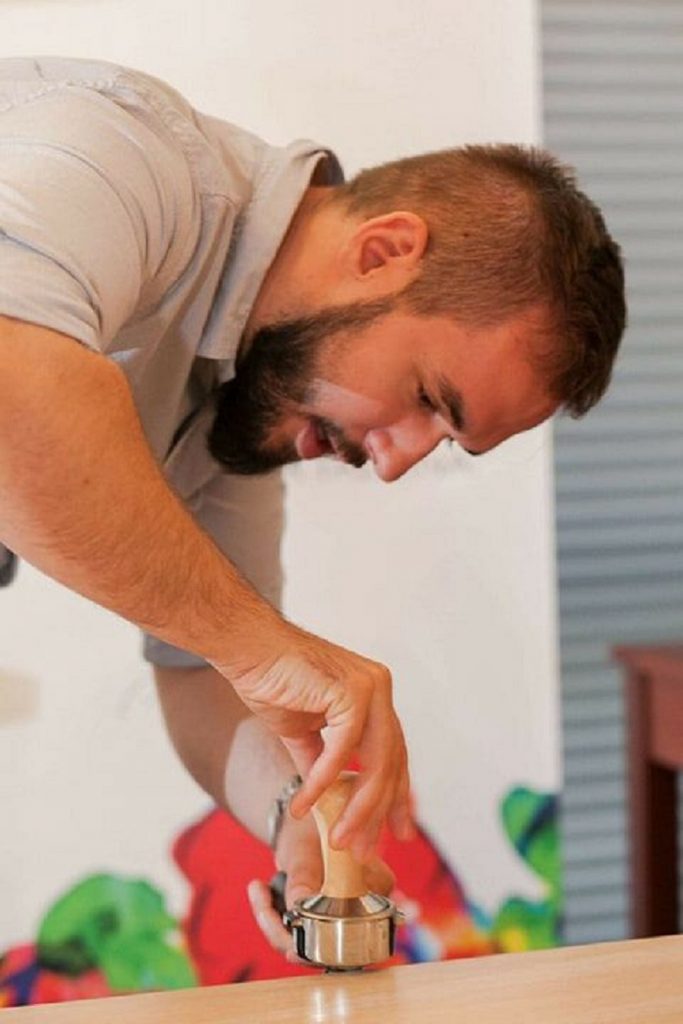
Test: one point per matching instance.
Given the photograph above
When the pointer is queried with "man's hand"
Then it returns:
(298, 855)
(329, 705)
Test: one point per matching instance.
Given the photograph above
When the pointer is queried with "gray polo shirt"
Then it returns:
(144, 229)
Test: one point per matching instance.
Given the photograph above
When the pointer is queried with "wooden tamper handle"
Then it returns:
(343, 927)
(344, 876)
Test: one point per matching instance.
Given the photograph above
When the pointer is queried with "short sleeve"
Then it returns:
(90, 197)
(244, 515)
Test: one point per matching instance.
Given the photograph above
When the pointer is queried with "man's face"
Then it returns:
(370, 382)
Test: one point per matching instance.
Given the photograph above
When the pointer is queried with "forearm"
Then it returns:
(235, 759)
(82, 498)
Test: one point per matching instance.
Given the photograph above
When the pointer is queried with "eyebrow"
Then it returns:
(453, 401)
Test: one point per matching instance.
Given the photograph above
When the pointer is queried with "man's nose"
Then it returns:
(396, 449)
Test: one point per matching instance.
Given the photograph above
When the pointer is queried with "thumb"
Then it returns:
(304, 869)
(299, 889)
(379, 876)
(304, 881)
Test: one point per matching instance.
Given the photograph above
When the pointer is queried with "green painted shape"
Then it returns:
(119, 925)
(530, 821)
(143, 962)
(536, 921)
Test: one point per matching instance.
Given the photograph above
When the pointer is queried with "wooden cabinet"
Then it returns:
(653, 689)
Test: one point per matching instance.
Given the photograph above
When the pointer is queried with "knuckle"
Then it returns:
(383, 681)
(383, 673)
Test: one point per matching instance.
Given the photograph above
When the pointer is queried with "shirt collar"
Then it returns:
(281, 180)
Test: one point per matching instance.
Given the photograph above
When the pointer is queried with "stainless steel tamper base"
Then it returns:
(344, 934)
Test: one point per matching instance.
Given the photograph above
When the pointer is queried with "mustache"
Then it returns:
(352, 453)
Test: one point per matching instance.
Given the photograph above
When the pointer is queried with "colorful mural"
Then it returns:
(110, 934)
(530, 822)
(105, 935)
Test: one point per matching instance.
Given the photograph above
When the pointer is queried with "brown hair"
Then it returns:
(508, 229)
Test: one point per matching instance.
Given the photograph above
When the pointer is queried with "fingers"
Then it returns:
(328, 706)
(269, 921)
(298, 856)
(338, 745)
(362, 715)
(381, 792)
(382, 789)
(298, 889)
(379, 877)
(401, 816)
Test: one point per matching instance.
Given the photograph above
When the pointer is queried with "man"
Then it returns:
(185, 309)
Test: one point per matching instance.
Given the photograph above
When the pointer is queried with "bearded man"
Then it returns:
(183, 310)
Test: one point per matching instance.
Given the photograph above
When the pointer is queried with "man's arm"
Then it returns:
(225, 748)
(82, 498)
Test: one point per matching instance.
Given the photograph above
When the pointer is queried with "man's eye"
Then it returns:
(425, 401)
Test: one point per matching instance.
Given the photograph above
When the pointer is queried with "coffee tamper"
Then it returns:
(344, 927)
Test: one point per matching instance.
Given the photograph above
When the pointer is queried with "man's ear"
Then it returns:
(390, 245)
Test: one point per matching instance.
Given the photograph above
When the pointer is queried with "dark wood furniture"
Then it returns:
(653, 688)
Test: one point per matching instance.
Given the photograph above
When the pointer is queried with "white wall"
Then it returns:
(447, 575)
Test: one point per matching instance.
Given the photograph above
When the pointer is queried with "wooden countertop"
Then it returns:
(638, 982)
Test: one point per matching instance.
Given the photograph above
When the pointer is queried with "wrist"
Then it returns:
(252, 635)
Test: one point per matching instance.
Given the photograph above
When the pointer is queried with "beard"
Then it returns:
(275, 379)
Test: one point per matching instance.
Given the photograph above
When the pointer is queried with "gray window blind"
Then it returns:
(613, 107)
